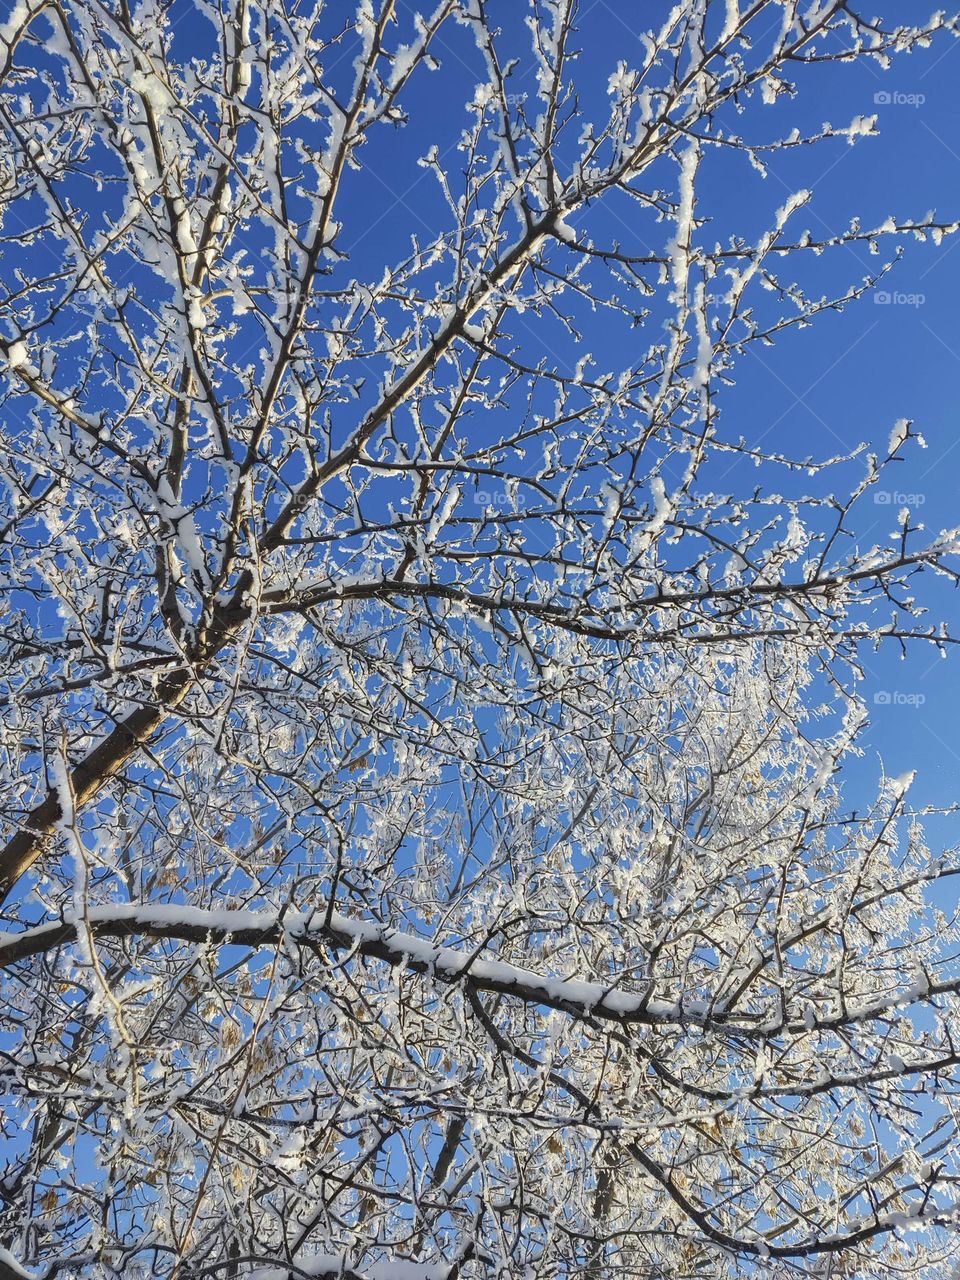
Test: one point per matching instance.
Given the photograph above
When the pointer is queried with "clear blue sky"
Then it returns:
(847, 378)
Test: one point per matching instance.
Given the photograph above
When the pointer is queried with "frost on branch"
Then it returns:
(425, 845)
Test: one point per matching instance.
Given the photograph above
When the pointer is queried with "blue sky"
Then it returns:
(849, 377)
(820, 391)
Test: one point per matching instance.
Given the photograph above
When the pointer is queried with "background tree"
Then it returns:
(426, 855)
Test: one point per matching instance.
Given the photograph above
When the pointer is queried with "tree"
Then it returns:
(426, 847)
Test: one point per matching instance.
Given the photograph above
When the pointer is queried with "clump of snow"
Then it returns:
(899, 786)
(563, 231)
(860, 127)
(661, 505)
(731, 20)
(680, 245)
(16, 355)
(769, 87)
(701, 371)
(899, 434)
(622, 81)
(152, 89)
(791, 205)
